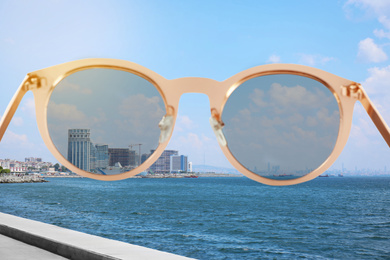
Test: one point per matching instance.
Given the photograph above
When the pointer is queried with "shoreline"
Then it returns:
(188, 176)
(22, 179)
(161, 176)
(65, 176)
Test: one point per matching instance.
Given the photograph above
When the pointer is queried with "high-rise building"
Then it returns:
(178, 163)
(133, 158)
(79, 148)
(189, 166)
(121, 155)
(144, 157)
(163, 164)
(102, 156)
(92, 158)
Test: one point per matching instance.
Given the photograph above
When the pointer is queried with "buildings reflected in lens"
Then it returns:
(101, 159)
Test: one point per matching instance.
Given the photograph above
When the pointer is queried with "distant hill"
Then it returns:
(216, 169)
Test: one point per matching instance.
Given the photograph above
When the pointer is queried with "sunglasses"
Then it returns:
(278, 124)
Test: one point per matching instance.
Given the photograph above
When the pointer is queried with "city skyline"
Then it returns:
(353, 43)
(23, 165)
(103, 159)
(29, 164)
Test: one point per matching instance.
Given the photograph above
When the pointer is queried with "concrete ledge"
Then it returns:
(73, 244)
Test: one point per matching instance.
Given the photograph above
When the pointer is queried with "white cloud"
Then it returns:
(18, 146)
(377, 88)
(12, 137)
(378, 81)
(17, 121)
(184, 123)
(370, 52)
(67, 86)
(380, 33)
(326, 118)
(313, 59)
(381, 10)
(377, 7)
(193, 140)
(285, 98)
(143, 122)
(307, 59)
(363, 132)
(13, 140)
(258, 98)
(29, 107)
(384, 21)
(130, 106)
(199, 147)
(274, 59)
(294, 128)
(65, 112)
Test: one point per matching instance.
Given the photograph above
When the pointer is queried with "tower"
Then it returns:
(79, 148)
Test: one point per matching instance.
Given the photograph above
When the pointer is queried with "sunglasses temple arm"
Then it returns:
(11, 109)
(375, 116)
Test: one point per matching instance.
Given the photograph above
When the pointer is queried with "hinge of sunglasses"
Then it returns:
(34, 82)
(352, 91)
(217, 125)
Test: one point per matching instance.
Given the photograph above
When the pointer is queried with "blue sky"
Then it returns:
(213, 39)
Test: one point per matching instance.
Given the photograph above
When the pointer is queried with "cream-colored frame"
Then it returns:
(346, 92)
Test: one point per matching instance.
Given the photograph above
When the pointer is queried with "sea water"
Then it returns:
(219, 218)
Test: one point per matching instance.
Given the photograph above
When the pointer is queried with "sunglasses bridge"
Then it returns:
(216, 93)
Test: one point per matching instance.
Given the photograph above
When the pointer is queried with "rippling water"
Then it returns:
(219, 218)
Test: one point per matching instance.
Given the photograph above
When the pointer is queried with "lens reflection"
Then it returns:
(281, 126)
(105, 121)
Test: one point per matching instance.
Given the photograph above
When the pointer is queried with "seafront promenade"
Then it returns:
(22, 238)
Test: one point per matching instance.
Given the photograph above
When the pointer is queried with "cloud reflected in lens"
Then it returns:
(281, 126)
(117, 107)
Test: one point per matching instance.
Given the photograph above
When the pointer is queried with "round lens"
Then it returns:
(105, 121)
(281, 126)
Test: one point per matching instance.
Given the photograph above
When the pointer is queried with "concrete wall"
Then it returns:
(72, 244)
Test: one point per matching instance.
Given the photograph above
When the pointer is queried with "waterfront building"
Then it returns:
(15, 166)
(32, 159)
(189, 166)
(121, 155)
(178, 163)
(18, 166)
(92, 157)
(102, 156)
(84, 154)
(133, 158)
(144, 157)
(79, 148)
(163, 163)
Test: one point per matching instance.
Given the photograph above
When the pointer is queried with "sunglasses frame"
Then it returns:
(43, 82)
